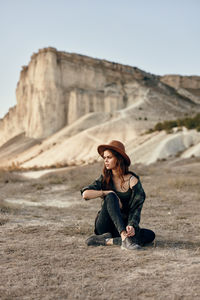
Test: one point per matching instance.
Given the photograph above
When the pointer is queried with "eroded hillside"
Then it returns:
(68, 103)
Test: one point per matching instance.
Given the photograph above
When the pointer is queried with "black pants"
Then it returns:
(110, 219)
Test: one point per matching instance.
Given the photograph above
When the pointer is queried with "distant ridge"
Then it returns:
(67, 102)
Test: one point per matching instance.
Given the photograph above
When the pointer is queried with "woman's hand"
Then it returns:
(130, 231)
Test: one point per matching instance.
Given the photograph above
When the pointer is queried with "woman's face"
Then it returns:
(110, 160)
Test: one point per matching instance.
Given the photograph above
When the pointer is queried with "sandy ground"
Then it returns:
(44, 224)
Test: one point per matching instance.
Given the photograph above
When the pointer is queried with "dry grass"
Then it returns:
(15, 166)
(183, 182)
(43, 249)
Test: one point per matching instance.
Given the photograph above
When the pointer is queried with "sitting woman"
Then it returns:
(123, 196)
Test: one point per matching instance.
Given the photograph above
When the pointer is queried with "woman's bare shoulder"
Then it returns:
(133, 181)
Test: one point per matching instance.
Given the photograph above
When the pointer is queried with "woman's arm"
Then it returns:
(96, 186)
(92, 194)
(94, 190)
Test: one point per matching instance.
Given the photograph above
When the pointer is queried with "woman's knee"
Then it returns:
(111, 197)
(113, 200)
(147, 236)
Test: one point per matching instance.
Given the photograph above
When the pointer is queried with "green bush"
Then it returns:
(188, 122)
(158, 127)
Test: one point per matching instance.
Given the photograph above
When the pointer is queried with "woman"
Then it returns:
(123, 196)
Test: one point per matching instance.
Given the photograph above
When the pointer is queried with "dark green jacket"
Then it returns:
(135, 202)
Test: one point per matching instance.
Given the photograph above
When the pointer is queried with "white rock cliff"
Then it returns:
(66, 98)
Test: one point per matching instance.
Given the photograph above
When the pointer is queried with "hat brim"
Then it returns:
(102, 148)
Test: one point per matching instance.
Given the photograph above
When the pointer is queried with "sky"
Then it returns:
(157, 36)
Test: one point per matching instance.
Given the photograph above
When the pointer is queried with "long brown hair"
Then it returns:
(121, 168)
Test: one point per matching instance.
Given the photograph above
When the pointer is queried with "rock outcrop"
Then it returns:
(188, 86)
(68, 102)
(57, 88)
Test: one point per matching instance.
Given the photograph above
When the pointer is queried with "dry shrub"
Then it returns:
(75, 177)
(56, 180)
(15, 166)
(4, 211)
(183, 182)
(38, 186)
(9, 176)
(83, 229)
(7, 208)
(3, 220)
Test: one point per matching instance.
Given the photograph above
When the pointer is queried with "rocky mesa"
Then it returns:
(68, 103)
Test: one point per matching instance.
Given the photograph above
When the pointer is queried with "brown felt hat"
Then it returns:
(116, 146)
